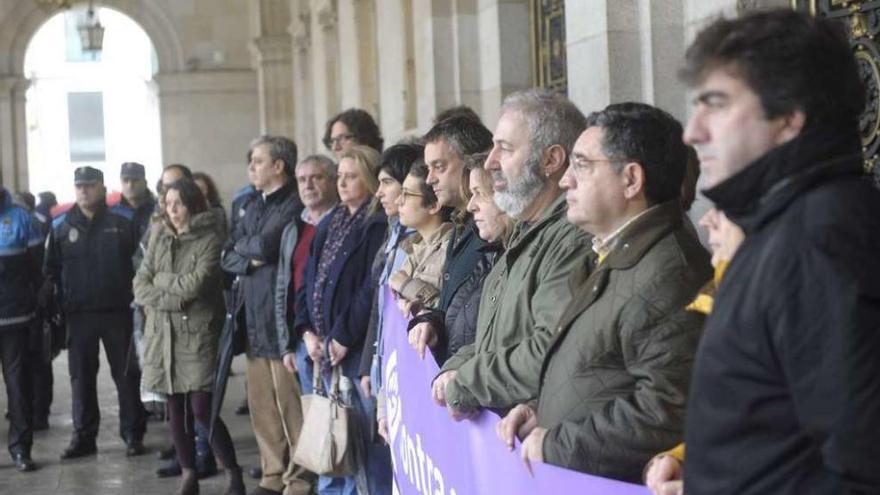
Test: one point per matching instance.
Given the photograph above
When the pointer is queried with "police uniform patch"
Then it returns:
(73, 235)
(241, 212)
(6, 227)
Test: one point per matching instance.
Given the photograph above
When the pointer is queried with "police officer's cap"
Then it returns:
(133, 170)
(87, 175)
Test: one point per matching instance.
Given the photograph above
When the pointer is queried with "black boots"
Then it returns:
(235, 483)
(23, 462)
(79, 448)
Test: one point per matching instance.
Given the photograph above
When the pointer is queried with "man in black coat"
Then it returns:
(785, 397)
(252, 253)
(88, 260)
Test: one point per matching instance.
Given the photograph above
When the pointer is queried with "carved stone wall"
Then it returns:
(862, 22)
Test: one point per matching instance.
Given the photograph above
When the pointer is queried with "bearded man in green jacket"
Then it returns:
(524, 294)
(615, 378)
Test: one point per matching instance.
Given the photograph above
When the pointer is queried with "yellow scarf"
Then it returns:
(706, 297)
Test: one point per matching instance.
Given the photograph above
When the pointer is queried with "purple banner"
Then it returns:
(434, 455)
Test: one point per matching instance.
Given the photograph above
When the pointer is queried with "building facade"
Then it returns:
(233, 69)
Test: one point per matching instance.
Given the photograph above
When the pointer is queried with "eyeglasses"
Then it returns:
(581, 164)
(405, 194)
(342, 138)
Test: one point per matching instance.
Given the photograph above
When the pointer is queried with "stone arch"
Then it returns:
(27, 17)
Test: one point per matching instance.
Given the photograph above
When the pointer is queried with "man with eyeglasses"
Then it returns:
(351, 127)
(615, 377)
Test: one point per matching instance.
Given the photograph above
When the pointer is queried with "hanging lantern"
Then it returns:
(91, 32)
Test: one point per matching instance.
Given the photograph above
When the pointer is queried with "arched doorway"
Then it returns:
(85, 108)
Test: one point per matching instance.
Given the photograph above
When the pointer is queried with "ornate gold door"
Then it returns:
(862, 20)
(548, 44)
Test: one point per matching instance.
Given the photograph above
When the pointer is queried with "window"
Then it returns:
(85, 113)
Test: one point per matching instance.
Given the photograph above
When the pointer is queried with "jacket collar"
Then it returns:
(198, 225)
(523, 233)
(149, 203)
(76, 216)
(762, 190)
(279, 194)
(633, 244)
(642, 233)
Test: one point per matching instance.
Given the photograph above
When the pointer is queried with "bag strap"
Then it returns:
(335, 377)
(317, 382)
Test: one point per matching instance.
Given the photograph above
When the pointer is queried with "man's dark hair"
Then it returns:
(183, 169)
(190, 195)
(429, 198)
(397, 160)
(26, 199)
(691, 177)
(636, 132)
(457, 111)
(213, 197)
(361, 126)
(280, 148)
(792, 61)
(464, 135)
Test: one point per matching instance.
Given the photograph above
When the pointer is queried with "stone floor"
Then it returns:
(110, 472)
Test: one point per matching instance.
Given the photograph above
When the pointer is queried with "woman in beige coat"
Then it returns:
(179, 285)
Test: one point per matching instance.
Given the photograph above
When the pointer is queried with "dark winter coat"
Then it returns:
(459, 326)
(785, 397)
(257, 238)
(348, 292)
(90, 260)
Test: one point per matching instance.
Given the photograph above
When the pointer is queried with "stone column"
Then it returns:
(505, 52)
(303, 104)
(357, 55)
(272, 52)
(468, 66)
(325, 65)
(13, 132)
(604, 52)
(394, 28)
(275, 79)
(208, 120)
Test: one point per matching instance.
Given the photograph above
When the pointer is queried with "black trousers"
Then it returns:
(17, 375)
(114, 330)
(43, 379)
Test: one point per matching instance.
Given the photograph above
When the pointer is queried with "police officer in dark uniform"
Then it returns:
(19, 266)
(44, 337)
(88, 258)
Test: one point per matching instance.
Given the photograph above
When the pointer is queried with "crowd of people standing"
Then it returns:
(548, 266)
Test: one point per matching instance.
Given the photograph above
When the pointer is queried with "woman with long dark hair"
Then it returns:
(179, 285)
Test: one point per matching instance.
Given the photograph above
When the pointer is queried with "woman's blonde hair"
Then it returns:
(476, 162)
(367, 160)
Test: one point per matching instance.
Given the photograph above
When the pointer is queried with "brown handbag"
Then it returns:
(326, 441)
